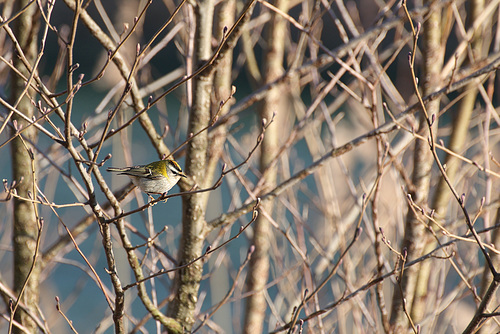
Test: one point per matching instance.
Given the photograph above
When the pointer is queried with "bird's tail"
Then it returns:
(116, 169)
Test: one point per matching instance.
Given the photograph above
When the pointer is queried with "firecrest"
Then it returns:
(155, 178)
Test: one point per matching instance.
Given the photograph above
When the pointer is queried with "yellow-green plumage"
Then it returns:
(155, 178)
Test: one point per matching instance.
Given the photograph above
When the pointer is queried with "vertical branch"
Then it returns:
(461, 121)
(273, 104)
(222, 89)
(423, 160)
(25, 225)
(377, 244)
(433, 52)
(193, 221)
(495, 238)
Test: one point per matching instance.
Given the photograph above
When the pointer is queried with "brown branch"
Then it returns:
(209, 250)
(374, 281)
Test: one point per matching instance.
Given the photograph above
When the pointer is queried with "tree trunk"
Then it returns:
(410, 292)
(193, 221)
(273, 103)
(25, 225)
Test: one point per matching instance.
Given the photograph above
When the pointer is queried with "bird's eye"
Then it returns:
(175, 169)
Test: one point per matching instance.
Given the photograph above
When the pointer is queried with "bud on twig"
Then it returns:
(433, 119)
(251, 249)
(74, 67)
(58, 307)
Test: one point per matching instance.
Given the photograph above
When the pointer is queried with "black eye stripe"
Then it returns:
(174, 168)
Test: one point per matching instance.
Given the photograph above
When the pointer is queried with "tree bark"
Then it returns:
(410, 291)
(273, 103)
(25, 225)
(193, 220)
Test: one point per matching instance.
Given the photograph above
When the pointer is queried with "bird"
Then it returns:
(154, 178)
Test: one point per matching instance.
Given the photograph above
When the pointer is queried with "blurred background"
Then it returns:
(351, 190)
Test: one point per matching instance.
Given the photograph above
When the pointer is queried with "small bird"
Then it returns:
(155, 178)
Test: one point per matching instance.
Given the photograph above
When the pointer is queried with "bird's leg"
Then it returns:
(151, 198)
